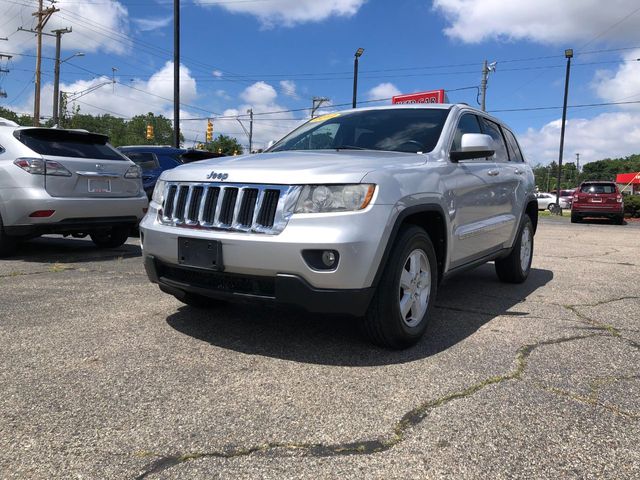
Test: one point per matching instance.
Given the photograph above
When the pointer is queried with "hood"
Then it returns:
(294, 167)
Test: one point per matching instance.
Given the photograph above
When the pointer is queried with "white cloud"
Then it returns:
(383, 90)
(148, 24)
(103, 26)
(217, 73)
(621, 85)
(262, 98)
(608, 135)
(288, 87)
(128, 99)
(290, 12)
(544, 21)
(260, 93)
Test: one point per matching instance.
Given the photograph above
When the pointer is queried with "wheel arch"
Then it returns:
(432, 219)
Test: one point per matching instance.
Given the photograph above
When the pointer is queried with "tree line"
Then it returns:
(128, 132)
(546, 175)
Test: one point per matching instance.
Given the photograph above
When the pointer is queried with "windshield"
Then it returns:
(399, 130)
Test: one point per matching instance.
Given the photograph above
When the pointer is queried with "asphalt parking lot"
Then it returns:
(103, 376)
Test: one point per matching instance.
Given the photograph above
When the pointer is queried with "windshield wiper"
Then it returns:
(349, 147)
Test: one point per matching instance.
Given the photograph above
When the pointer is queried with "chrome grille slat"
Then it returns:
(233, 207)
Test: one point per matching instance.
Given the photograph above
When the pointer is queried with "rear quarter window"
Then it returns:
(145, 160)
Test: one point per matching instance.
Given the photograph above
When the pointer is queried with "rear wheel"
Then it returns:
(516, 266)
(575, 218)
(400, 311)
(110, 238)
(619, 220)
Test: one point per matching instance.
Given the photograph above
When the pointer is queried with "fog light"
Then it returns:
(328, 258)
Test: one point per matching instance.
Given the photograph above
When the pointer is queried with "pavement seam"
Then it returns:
(366, 447)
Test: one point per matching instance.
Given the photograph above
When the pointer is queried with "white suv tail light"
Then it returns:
(35, 166)
(38, 166)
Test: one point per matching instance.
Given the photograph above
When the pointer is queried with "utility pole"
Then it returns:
(56, 78)
(486, 69)
(577, 167)
(176, 73)
(568, 55)
(250, 112)
(317, 102)
(43, 17)
(3, 94)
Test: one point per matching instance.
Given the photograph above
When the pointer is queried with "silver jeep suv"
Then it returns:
(361, 212)
(70, 182)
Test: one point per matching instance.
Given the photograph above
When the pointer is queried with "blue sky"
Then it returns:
(275, 55)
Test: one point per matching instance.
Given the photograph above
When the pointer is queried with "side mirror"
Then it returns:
(473, 145)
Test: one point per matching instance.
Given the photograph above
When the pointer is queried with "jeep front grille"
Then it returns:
(217, 206)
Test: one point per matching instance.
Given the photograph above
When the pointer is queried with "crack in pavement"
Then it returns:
(592, 398)
(365, 447)
(415, 416)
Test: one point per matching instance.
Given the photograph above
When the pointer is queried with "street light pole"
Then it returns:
(358, 54)
(568, 55)
(176, 73)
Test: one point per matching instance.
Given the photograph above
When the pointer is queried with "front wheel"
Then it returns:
(110, 238)
(400, 311)
(515, 267)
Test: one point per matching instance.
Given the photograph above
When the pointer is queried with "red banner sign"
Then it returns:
(432, 96)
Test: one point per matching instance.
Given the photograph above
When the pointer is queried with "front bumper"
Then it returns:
(358, 237)
(283, 289)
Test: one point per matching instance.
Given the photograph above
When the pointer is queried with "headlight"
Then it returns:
(158, 192)
(334, 198)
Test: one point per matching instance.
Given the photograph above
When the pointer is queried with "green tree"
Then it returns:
(24, 120)
(224, 144)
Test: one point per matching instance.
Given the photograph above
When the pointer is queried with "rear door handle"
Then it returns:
(493, 173)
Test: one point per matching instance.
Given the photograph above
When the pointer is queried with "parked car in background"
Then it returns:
(546, 200)
(598, 199)
(70, 182)
(566, 198)
(155, 159)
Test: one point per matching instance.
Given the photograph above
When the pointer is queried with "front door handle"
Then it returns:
(493, 173)
(518, 171)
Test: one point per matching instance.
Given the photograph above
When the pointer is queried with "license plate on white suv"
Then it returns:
(102, 185)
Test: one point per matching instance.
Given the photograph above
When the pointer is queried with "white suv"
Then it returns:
(69, 182)
(361, 212)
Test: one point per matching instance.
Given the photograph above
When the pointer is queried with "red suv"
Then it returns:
(597, 199)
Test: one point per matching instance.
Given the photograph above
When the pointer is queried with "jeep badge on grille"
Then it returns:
(217, 176)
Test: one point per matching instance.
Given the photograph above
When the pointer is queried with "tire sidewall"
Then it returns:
(412, 239)
(526, 223)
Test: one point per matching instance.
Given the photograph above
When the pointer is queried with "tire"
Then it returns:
(515, 267)
(7, 244)
(111, 238)
(411, 264)
(575, 218)
(619, 220)
(197, 301)
(551, 207)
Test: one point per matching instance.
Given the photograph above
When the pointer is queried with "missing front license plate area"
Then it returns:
(201, 253)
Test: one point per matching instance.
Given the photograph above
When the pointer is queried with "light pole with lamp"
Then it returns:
(56, 80)
(359, 53)
(568, 55)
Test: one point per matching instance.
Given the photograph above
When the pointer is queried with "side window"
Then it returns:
(468, 123)
(515, 154)
(493, 130)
